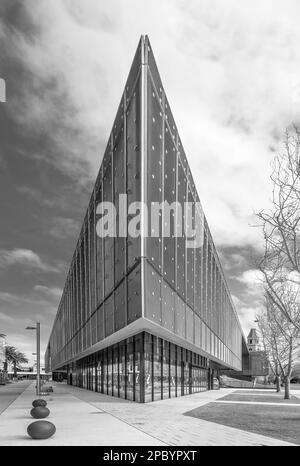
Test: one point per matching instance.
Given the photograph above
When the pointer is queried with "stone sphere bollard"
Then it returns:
(40, 412)
(39, 402)
(41, 430)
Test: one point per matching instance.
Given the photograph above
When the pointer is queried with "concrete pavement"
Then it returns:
(11, 391)
(77, 423)
(87, 418)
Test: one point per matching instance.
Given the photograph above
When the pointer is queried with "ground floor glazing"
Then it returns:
(142, 368)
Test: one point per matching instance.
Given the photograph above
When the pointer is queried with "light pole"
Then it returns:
(38, 370)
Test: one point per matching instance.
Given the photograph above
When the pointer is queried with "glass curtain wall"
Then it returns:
(142, 368)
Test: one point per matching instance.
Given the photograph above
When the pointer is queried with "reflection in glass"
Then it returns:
(142, 368)
(105, 372)
(156, 368)
(179, 372)
(172, 370)
(115, 371)
(130, 369)
(99, 377)
(109, 372)
(148, 367)
(166, 366)
(122, 369)
(137, 361)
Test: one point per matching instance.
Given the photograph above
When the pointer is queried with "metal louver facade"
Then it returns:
(147, 311)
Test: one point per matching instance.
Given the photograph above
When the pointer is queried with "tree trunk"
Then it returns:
(278, 383)
(287, 394)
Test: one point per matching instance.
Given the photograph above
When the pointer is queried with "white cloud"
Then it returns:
(50, 292)
(251, 278)
(247, 316)
(251, 298)
(26, 258)
(64, 228)
(236, 301)
(229, 70)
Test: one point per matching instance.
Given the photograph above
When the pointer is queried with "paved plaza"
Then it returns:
(83, 417)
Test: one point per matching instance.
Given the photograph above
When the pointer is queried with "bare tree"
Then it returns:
(280, 264)
(280, 339)
(269, 346)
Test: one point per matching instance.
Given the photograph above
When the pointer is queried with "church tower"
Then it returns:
(253, 340)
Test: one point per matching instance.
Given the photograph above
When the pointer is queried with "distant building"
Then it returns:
(253, 340)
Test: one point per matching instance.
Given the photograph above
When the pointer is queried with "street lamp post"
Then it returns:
(38, 355)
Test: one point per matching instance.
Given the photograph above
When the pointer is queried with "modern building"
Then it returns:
(147, 317)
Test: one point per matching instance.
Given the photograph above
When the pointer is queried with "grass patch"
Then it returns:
(278, 422)
(274, 398)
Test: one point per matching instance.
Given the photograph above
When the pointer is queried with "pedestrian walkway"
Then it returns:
(87, 418)
(11, 391)
(77, 423)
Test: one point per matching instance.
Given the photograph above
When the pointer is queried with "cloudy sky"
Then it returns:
(230, 70)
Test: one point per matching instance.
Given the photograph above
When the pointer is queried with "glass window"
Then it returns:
(104, 366)
(179, 385)
(166, 369)
(172, 370)
(109, 372)
(115, 370)
(94, 379)
(157, 376)
(122, 370)
(138, 345)
(99, 376)
(130, 368)
(148, 367)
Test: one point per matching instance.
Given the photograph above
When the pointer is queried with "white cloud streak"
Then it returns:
(26, 258)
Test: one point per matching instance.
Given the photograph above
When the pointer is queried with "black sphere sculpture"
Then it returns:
(41, 430)
(40, 412)
(39, 402)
